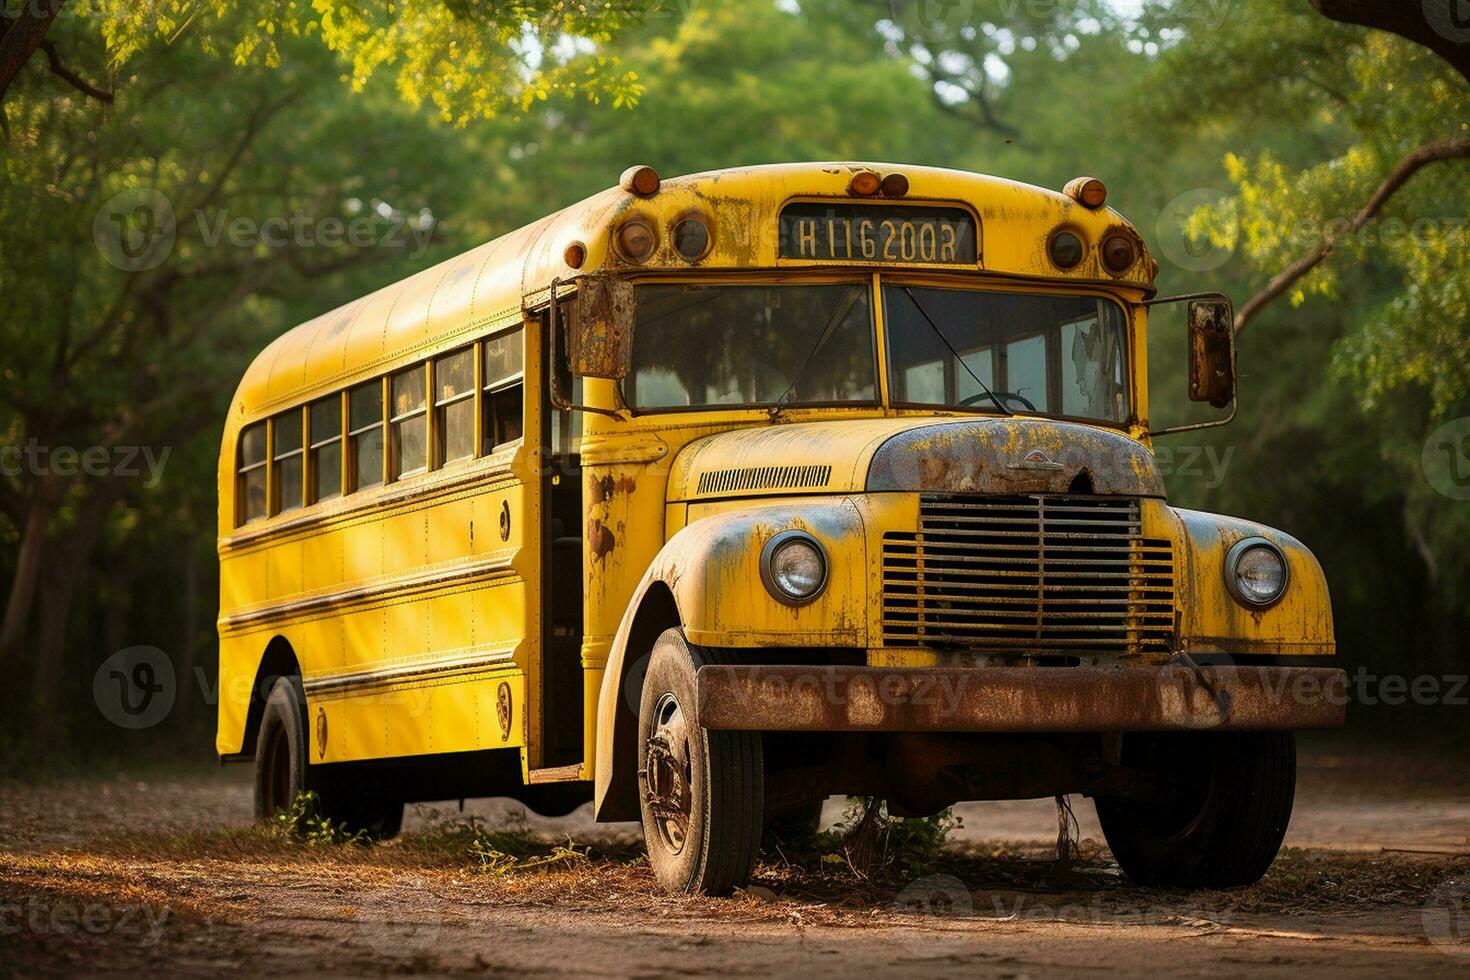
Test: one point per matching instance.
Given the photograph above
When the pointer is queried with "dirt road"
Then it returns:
(166, 876)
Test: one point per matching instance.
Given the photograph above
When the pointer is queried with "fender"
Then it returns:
(1211, 621)
(706, 578)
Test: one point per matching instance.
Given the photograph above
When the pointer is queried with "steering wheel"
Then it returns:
(1004, 397)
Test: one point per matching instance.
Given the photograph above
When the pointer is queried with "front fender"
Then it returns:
(706, 578)
(1211, 621)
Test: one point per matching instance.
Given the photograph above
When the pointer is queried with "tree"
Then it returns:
(148, 253)
(468, 58)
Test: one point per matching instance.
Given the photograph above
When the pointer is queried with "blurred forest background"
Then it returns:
(1234, 134)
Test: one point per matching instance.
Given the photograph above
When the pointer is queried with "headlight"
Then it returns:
(794, 567)
(1255, 572)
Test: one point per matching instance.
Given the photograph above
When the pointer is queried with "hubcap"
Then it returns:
(665, 774)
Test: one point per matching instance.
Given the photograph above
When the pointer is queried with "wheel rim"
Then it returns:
(666, 774)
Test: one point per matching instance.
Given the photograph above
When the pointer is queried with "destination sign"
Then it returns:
(828, 232)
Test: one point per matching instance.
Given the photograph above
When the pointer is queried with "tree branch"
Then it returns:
(20, 35)
(1431, 23)
(1436, 152)
(77, 82)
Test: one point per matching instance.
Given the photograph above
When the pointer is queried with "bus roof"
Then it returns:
(443, 306)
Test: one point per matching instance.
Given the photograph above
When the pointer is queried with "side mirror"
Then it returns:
(600, 328)
(1211, 351)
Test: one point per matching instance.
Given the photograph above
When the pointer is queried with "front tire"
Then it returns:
(1223, 817)
(347, 797)
(700, 791)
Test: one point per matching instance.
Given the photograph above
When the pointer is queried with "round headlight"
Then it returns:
(793, 567)
(1255, 572)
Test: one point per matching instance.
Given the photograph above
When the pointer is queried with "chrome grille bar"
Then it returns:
(1029, 574)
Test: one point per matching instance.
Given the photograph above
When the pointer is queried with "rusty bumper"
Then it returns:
(1020, 699)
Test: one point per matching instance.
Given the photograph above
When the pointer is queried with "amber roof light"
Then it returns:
(864, 183)
(1087, 191)
(641, 180)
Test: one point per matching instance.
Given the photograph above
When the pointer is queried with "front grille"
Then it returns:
(1032, 574)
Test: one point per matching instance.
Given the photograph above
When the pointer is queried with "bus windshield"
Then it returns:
(1048, 354)
(751, 345)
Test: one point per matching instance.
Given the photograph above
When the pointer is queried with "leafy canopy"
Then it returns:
(468, 58)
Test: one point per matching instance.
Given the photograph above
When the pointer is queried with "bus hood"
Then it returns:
(969, 455)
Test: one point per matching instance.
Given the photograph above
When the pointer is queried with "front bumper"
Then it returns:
(1020, 699)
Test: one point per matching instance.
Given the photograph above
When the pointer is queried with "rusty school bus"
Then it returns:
(706, 498)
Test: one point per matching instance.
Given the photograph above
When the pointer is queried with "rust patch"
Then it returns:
(600, 539)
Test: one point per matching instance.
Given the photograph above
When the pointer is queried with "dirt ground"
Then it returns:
(165, 876)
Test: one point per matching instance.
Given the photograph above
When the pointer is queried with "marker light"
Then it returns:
(1087, 191)
(894, 185)
(864, 183)
(691, 239)
(1118, 253)
(641, 180)
(1065, 249)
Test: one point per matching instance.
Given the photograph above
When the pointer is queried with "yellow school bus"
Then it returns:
(706, 498)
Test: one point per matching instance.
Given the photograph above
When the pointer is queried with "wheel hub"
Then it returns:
(665, 774)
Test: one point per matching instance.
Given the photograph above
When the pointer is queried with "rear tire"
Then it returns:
(1223, 822)
(700, 791)
(346, 796)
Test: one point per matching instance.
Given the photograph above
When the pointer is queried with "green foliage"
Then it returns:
(870, 840)
(469, 59)
(304, 823)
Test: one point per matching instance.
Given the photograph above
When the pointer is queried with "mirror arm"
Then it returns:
(558, 401)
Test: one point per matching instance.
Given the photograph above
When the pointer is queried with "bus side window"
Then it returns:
(504, 373)
(409, 431)
(326, 449)
(365, 435)
(454, 406)
(288, 471)
(250, 478)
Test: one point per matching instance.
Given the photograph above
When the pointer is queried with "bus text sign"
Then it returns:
(828, 232)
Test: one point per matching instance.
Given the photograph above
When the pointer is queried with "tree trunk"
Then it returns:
(27, 575)
(21, 34)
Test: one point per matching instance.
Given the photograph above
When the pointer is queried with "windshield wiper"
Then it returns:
(940, 334)
(838, 316)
